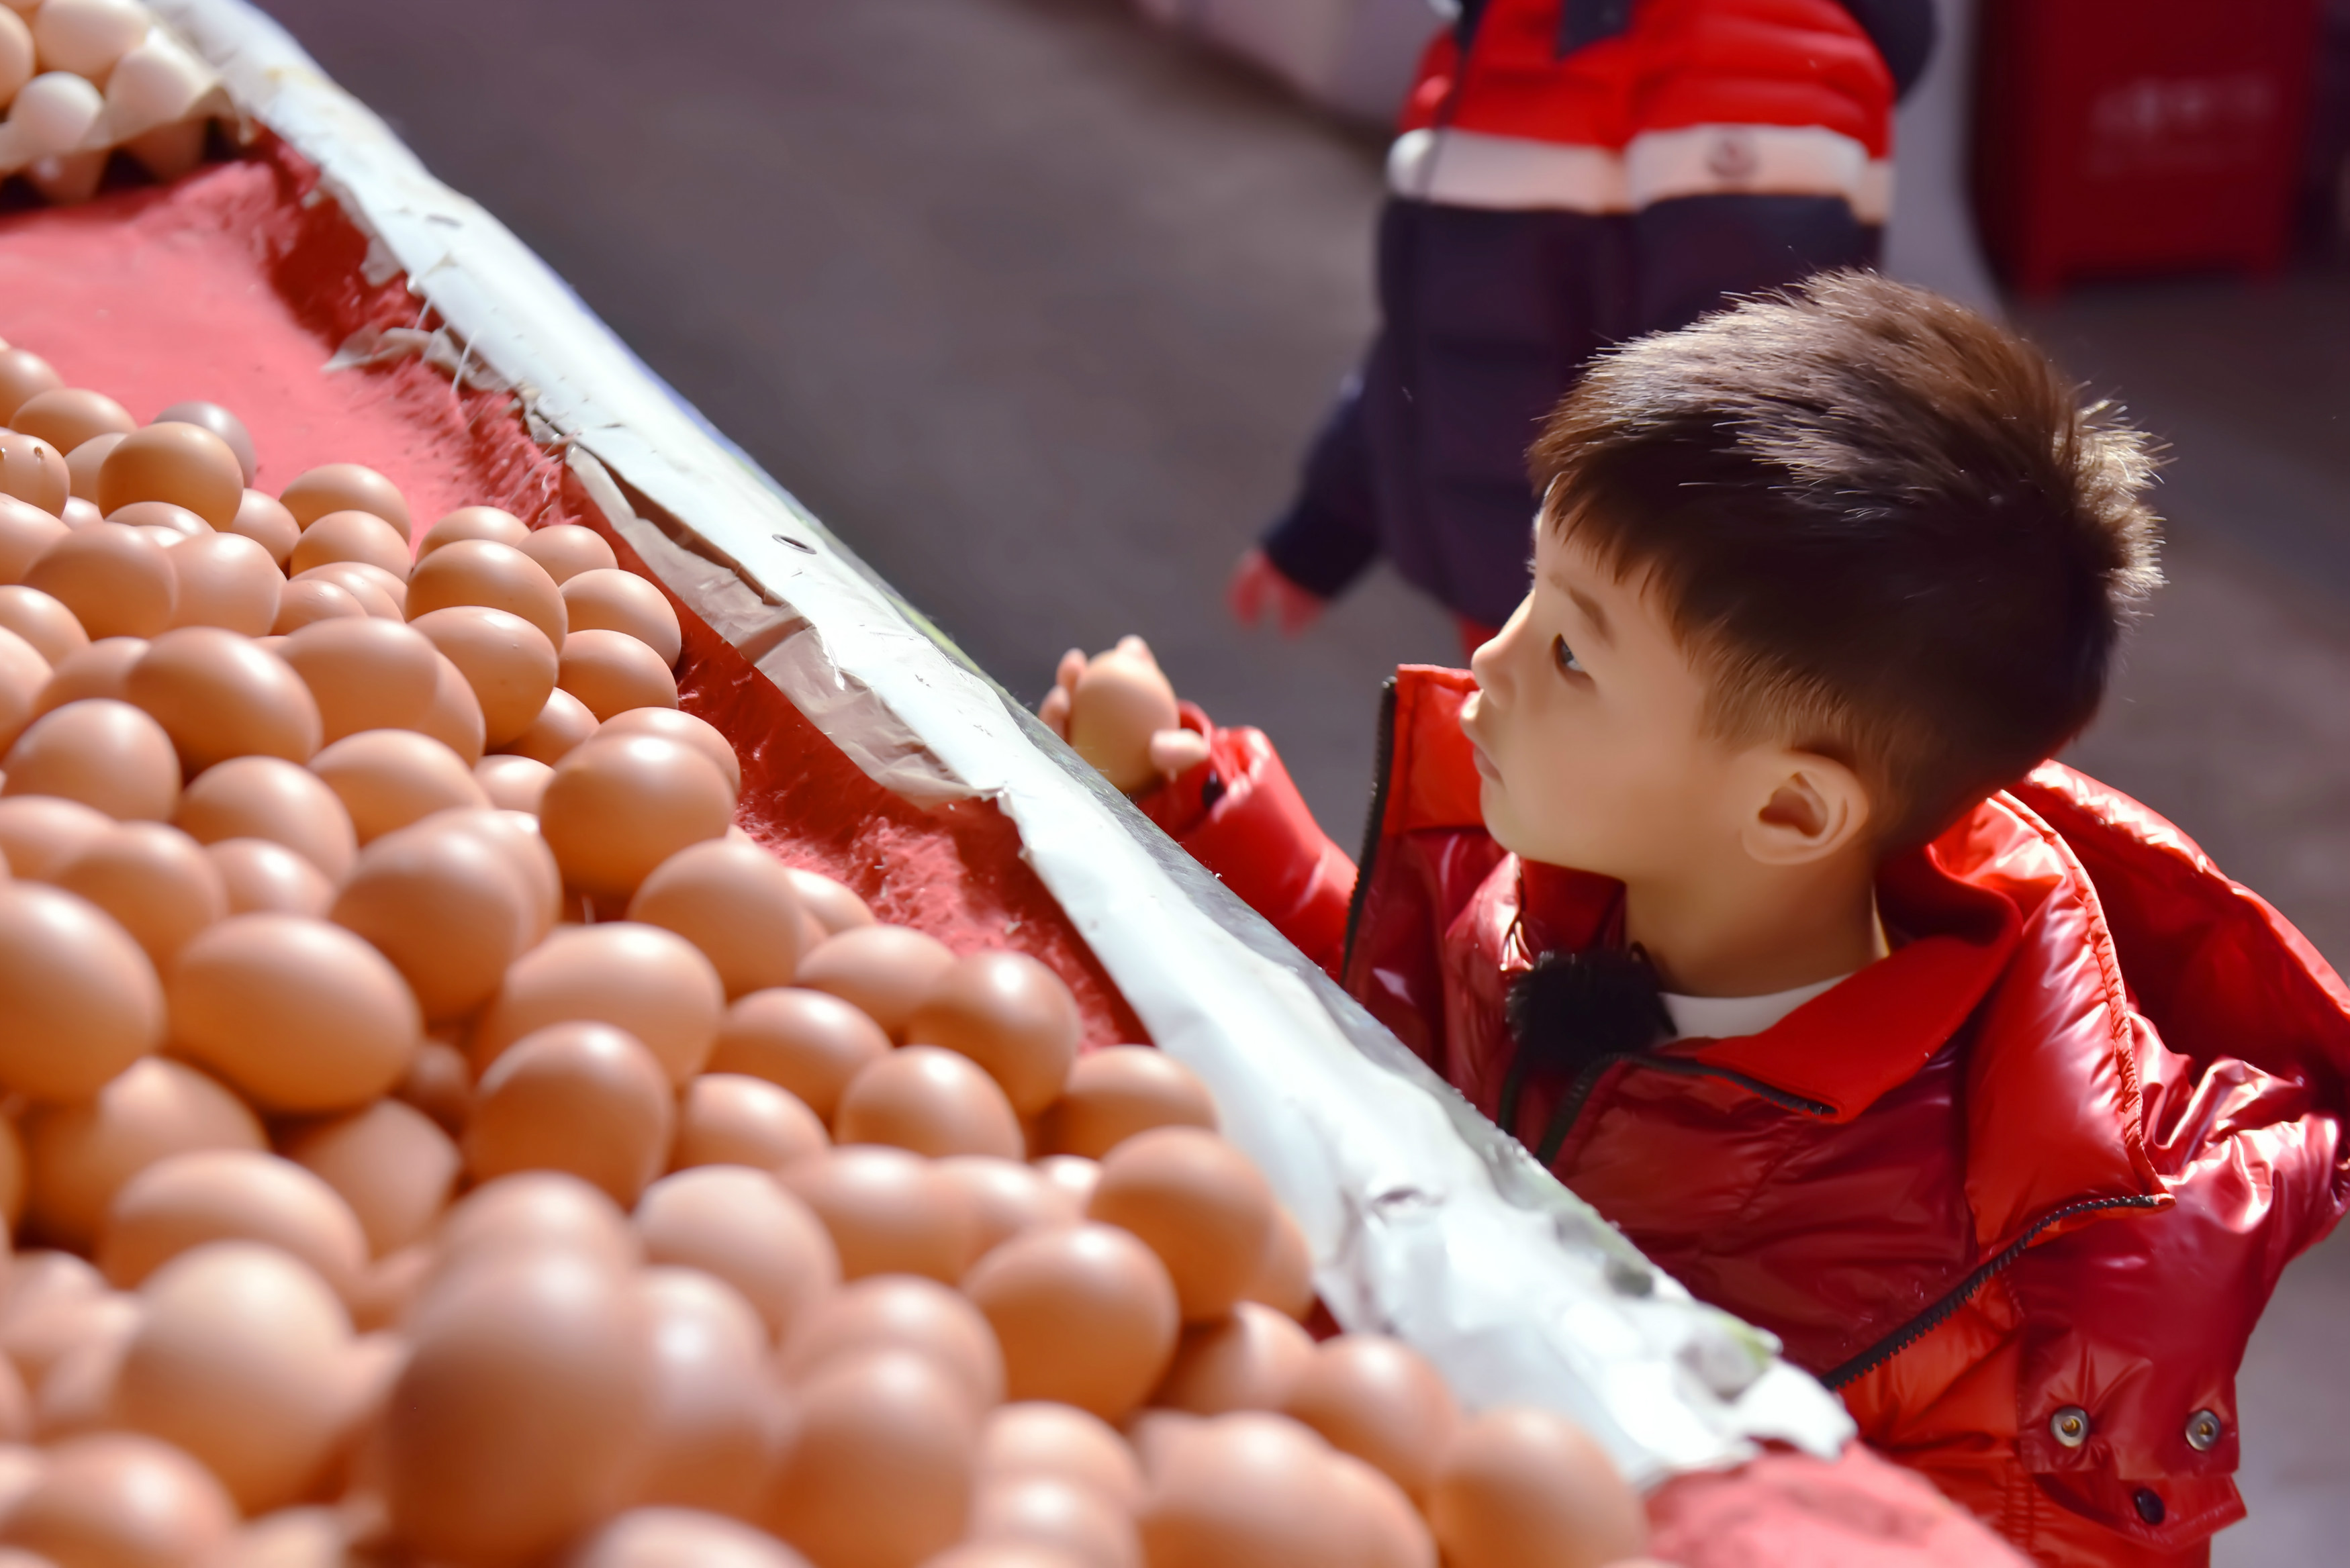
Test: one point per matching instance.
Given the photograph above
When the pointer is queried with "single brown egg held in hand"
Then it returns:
(296, 1015)
(115, 1500)
(1041, 1437)
(345, 487)
(518, 1420)
(240, 1361)
(584, 1098)
(680, 1538)
(80, 999)
(878, 1472)
(23, 375)
(1085, 1314)
(221, 423)
(262, 877)
(889, 1212)
(68, 416)
(39, 834)
(884, 970)
(1007, 1197)
(1059, 1516)
(24, 529)
(1519, 1486)
(1378, 1399)
(899, 1311)
(729, 1118)
(220, 695)
(671, 724)
(101, 669)
(359, 536)
(618, 806)
(446, 907)
(228, 582)
(1199, 1203)
(513, 783)
(455, 717)
(388, 779)
(1010, 1014)
(185, 1201)
(80, 1155)
(711, 1433)
(485, 572)
(739, 1226)
(1248, 1491)
(368, 587)
(562, 724)
(25, 675)
(364, 674)
(271, 798)
(109, 755)
(1120, 701)
(42, 621)
(312, 600)
(182, 464)
(1252, 1360)
(931, 1101)
(536, 1211)
(153, 881)
(472, 522)
(610, 600)
(508, 662)
(116, 581)
(566, 549)
(1115, 1092)
(637, 977)
(263, 519)
(733, 901)
(808, 1042)
(390, 1162)
(611, 672)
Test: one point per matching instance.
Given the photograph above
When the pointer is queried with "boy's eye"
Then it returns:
(1565, 655)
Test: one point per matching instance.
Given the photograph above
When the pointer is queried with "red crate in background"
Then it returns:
(2139, 136)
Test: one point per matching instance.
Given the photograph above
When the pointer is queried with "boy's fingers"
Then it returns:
(1178, 750)
(1072, 669)
(1133, 646)
(1053, 711)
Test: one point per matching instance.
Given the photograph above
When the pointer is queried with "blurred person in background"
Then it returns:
(1571, 173)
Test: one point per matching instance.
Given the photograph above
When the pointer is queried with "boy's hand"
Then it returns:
(1118, 710)
(1256, 582)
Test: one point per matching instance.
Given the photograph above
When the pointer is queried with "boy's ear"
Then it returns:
(1806, 807)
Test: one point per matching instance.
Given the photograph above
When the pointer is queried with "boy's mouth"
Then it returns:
(1485, 768)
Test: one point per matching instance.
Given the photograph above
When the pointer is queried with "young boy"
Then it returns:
(1732, 879)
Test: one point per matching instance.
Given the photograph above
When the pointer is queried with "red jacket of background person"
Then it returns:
(2019, 1191)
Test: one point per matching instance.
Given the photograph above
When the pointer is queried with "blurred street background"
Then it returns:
(1035, 303)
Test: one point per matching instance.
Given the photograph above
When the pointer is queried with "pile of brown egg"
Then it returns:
(79, 78)
(441, 1138)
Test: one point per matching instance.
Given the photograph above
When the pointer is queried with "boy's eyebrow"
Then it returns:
(1590, 607)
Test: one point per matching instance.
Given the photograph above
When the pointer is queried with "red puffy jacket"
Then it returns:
(2019, 1190)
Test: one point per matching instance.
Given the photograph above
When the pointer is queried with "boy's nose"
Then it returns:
(1490, 664)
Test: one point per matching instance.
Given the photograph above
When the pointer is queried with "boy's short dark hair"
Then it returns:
(1885, 528)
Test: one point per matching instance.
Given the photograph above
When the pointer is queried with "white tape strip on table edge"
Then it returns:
(1420, 1226)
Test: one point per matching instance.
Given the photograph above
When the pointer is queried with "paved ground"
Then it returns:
(1036, 306)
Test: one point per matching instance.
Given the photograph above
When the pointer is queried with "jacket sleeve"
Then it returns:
(1329, 536)
(1239, 815)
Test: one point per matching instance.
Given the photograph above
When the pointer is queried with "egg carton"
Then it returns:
(80, 79)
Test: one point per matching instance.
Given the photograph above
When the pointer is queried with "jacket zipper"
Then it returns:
(1570, 1109)
(1371, 835)
(1934, 1317)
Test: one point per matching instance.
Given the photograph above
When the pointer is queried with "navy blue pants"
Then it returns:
(1487, 319)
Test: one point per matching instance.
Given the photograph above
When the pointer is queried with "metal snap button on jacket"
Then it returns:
(2203, 1429)
(2070, 1426)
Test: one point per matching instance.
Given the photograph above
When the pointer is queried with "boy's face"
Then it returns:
(1588, 724)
